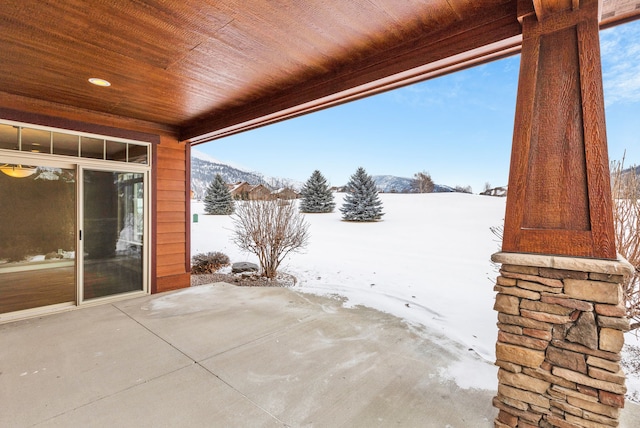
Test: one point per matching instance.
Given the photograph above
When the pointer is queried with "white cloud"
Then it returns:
(620, 49)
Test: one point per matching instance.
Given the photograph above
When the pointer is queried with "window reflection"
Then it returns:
(113, 232)
(61, 143)
(8, 137)
(37, 255)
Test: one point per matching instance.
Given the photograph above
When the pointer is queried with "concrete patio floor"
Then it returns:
(226, 356)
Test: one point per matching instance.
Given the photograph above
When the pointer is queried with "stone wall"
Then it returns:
(561, 322)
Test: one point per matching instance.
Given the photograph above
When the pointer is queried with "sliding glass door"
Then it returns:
(112, 233)
(38, 234)
(74, 218)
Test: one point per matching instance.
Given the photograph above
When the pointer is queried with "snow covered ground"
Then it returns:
(427, 261)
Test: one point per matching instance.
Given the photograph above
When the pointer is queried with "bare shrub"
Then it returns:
(204, 263)
(625, 185)
(422, 182)
(270, 230)
(463, 189)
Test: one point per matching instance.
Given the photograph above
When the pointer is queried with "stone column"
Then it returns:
(561, 322)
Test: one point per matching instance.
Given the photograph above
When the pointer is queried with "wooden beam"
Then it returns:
(559, 193)
(545, 8)
(496, 34)
(17, 103)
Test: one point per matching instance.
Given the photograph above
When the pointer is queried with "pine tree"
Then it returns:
(361, 202)
(218, 199)
(316, 196)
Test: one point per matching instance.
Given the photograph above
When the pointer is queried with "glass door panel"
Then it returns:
(37, 233)
(112, 233)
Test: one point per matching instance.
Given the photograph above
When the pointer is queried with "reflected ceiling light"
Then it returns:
(18, 171)
(99, 82)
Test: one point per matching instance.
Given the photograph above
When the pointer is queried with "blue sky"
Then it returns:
(457, 127)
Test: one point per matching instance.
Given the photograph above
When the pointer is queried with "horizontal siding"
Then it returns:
(172, 254)
(173, 174)
(173, 227)
(167, 270)
(171, 185)
(171, 238)
(171, 216)
(173, 282)
(167, 162)
(177, 248)
(171, 206)
(172, 153)
(171, 195)
(171, 259)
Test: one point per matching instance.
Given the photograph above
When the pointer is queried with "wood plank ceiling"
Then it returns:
(209, 68)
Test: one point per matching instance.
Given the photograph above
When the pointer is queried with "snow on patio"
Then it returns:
(427, 262)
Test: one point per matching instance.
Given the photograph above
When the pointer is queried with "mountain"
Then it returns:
(632, 168)
(393, 184)
(204, 169)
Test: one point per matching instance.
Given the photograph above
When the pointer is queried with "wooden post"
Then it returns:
(559, 200)
(561, 315)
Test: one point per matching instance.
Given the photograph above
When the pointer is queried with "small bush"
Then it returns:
(52, 255)
(208, 262)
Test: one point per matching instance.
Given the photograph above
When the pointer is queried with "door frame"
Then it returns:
(79, 164)
(146, 247)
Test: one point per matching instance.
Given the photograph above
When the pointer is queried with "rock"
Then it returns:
(244, 267)
(526, 341)
(584, 331)
(580, 305)
(615, 400)
(601, 374)
(523, 396)
(522, 381)
(545, 317)
(567, 359)
(589, 381)
(593, 291)
(611, 310)
(507, 304)
(614, 322)
(549, 308)
(519, 355)
(611, 340)
(538, 334)
(612, 366)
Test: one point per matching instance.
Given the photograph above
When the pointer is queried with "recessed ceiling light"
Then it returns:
(99, 82)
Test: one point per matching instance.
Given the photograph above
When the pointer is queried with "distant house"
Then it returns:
(239, 190)
(245, 191)
(286, 193)
(259, 193)
(496, 191)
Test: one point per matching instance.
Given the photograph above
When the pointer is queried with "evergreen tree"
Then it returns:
(316, 196)
(361, 202)
(218, 199)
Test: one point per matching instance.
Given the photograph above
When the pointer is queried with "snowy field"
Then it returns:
(427, 262)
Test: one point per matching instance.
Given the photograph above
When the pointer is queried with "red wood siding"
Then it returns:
(172, 254)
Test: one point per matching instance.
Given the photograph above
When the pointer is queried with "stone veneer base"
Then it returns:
(561, 324)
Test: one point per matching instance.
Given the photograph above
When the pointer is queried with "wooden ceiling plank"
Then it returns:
(447, 43)
(203, 63)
